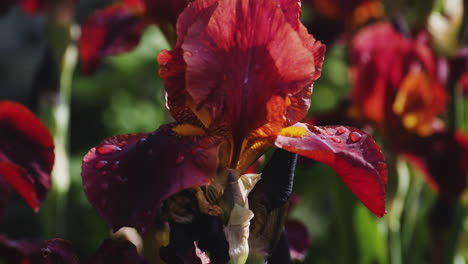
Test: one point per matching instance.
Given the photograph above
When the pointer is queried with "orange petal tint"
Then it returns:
(353, 154)
(127, 184)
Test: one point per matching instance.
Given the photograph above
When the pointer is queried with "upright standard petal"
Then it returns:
(353, 154)
(127, 177)
(26, 153)
(258, 63)
(113, 30)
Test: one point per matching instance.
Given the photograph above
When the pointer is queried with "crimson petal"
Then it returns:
(113, 30)
(298, 238)
(26, 153)
(127, 177)
(353, 154)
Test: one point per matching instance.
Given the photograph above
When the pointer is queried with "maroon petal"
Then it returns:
(353, 154)
(113, 30)
(17, 251)
(117, 252)
(443, 159)
(298, 238)
(26, 152)
(126, 177)
(58, 251)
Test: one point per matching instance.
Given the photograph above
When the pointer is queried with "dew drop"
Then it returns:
(330, 132)
(197, 151)
(100, 164)
(340, 130)
(122, 179)
(246, 79)
(108, 149)
(188, 53)
(323, 137)
(180, 159)
(336, 140)
(116, 165)
(141, 142)
(355, 136)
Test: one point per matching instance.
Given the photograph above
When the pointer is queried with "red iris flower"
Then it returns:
(26, 155)
(396, 86)
(118, 28)
(29, 6)
(238, 82)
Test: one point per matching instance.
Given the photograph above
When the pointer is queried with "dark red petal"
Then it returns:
(298, 238)
(127, 177)
(443, 158)
(117, 252)
(19, 180)
(26, 152)
(33, 6)
(352, 153)
(113, 30)
(18, 251)
(58, 251)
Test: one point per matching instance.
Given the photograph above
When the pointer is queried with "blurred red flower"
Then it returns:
(26, 155)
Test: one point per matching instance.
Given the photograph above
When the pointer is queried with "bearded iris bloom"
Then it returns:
(238, 82)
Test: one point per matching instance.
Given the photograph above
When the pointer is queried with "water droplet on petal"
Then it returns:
(100, 164)
(336, 140)
(323, 137)
(197, 151)
(340, 130)
(116, 165)
(180, 159)
(122, 179)
(246, 79)
(188, 53)
(108, 149)
(331, 132)
(141, 142)
(355, 136)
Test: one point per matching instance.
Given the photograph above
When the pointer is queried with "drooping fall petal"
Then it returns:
(127, 177)
(19, 251)
(113, 30)
(26, 153)
(352, 153)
